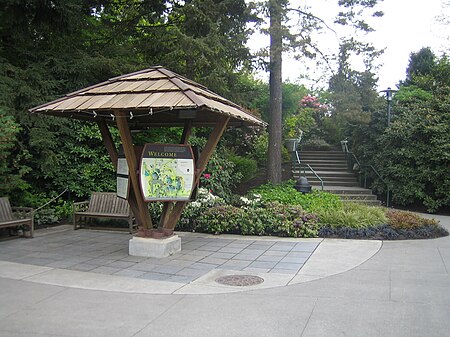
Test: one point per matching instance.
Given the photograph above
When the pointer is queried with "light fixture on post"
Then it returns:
(389, 94)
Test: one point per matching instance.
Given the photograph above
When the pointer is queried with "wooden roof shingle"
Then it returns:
(154, 96)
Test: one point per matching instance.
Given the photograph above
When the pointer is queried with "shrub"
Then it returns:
(221, 219)
(286, 194)
(260, 149)
(244, 166)
(352, 215)
(407, 220)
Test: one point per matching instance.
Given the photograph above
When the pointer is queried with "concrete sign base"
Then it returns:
(148, 247)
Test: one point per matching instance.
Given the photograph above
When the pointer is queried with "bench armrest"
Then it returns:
(80, 206)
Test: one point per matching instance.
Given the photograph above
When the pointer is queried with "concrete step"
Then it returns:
(325, 154)
(334, 183)
(327, 166)
(313, 162)
(340, 174)
(311, 177)
(347, 190)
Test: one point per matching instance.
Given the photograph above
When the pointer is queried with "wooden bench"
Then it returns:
(102, 205)
(16, 216)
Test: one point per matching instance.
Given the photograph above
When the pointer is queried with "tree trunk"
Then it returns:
(276, 46)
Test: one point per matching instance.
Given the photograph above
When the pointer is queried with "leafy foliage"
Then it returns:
(352, 215)
(286, 194)
(408, 220)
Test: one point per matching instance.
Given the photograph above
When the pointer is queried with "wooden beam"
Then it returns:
(108, 141)
(186, 131)
(205, 155)
(112, 151)
(168, 206)
(125, 135)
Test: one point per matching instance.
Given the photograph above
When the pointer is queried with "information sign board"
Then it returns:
(167, 172)
(122, 181)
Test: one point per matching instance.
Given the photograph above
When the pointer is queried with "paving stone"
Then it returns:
(191, 272)
(99, 262)
(83, 267)
(219, 255)
(155, 276)
(262, 264)
(233, 250)
(105, 270)
(252, 251)
(284, 271)
(200, 253)
(203, 266)
(260, 249)
(247, 257)
(130, 273)
(294, 259)
(190, 257)
(62, 264)
(305, 247)
(181, 279)
(268, 258)
(239, 244)
(134, 258)
(298, 254)
(212, 260)
(243, 263)
(164, 269)
(256, 270)
(210, 248)
(288, 265)
(281, 248)
(275, 253)
(121, 264)
(144, 266)
(35, 261)
(179, 263)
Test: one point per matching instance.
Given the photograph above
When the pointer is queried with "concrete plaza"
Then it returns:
(65, 283)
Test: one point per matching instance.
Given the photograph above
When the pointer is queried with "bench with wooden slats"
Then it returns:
(102, 205)
(16, 216)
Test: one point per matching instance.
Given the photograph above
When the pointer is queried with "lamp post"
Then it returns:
(389, 93)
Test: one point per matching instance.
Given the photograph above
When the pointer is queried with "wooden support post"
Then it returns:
(205, 155)
(108, 141)
(168, 206)
(112, 151)
(125, 135)
(186, 132)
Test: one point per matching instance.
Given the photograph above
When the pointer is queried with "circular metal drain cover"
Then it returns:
(240, 280)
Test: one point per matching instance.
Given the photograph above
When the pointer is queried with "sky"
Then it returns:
(407, 26)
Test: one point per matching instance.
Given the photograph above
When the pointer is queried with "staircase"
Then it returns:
(331, 166)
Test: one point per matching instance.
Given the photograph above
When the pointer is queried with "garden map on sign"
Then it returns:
(167, 178)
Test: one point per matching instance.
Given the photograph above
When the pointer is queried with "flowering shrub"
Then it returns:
(312, 102)
(221, 219)
(205, 200)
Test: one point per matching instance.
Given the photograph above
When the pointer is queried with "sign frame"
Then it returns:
(161, 155)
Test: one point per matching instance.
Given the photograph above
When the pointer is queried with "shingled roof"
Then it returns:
(152, 97)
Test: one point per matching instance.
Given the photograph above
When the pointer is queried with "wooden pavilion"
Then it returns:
(154, 97)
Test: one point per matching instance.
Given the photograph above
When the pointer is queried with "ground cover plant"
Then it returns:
(282, 211)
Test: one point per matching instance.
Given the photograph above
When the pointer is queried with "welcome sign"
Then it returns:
(167, 172)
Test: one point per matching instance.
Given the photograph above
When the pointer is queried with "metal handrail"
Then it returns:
(347, 151)
(309, 166)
